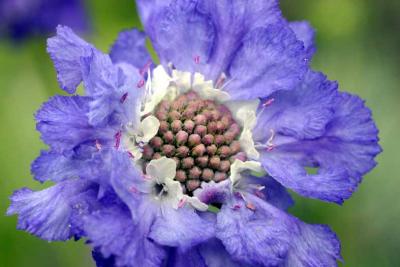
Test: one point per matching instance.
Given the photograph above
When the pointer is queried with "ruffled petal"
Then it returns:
(301, 113)
(259, 234)
(180, 34)
(53, 166)
(147, 8)
(63, 123)
(110, 85)
(214, 28)
(48, 213)
(269, 59)
(66, 50)
(341, 156)
(181, 228)
(305, 33)
(130, 47)
(232, 21)
(113, 233)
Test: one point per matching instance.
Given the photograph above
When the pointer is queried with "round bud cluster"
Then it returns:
(200, 135)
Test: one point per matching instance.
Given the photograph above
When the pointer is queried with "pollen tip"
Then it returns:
(236, 207)
(196, 59)
(117, 139)
(98, 145)
(123, 97)
(250, 206)
(141, 83)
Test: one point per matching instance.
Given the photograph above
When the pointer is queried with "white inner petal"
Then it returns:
(161, 169)
(175, 193)
(239, 166)
(206, 89)
(147, 129)
(196, 203)
(244, 113)
(156, 89)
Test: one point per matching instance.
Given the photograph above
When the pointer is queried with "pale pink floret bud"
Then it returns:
(194, 173)
(176, 126)
(200, 130)
(181, 137)
(194, 140)
(207, 174)
(188, 126)
(187, 163)
(199, 150)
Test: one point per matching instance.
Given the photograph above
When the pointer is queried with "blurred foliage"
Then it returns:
(357, 45)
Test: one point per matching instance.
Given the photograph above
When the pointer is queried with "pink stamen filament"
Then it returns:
(117, 139)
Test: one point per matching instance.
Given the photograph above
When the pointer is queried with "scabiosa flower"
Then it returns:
(186, 163)
(20, 18)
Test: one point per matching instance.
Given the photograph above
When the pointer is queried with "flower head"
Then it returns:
(186, 163)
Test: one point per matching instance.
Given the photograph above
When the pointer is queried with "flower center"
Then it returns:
(200, 135)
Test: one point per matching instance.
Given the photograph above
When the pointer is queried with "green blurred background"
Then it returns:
(358, 45)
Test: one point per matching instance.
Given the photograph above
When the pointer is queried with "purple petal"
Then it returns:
(63, 123)
(47, 213)
(108, 84)
(181, 228)
(232, 21)
(203, 35)
(181, 35)
(66, 50)
(268, 60)
(341, 156)
(267, 236)
(305, 33)
(53, 166)
(130, 47)
(301, 113)
(114, 234)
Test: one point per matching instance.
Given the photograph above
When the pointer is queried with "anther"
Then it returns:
(268, 102)
(123, 98)
(98, 145)
(117, 139)
(196, 59)
(141, 83)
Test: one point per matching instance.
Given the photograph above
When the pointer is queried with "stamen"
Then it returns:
(146, 177)
(117, 139)
(181, 202)
(98, 145)
(131, 155)
(250, 206)
(221, 80)
(123, 98)
(133, 189)
(236, 207)
(145, 68)
(196, 59)
(270, 145)
(268, 102)
(141, 83)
